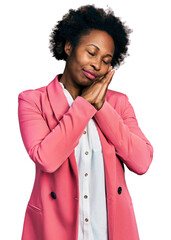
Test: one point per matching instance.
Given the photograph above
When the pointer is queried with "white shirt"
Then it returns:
(92, 191)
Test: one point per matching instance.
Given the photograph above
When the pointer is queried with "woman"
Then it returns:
(80, 135)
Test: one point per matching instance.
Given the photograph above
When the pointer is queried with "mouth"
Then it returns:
(88, 74)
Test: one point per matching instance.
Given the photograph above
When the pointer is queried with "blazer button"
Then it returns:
(53, 195)
(119, 190)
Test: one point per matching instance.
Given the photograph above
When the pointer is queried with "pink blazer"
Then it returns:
(50, 130)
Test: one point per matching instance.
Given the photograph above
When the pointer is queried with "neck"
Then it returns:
(72, 88)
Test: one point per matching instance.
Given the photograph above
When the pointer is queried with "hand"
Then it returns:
(95, 93)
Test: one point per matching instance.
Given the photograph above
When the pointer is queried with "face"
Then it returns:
(93, 53)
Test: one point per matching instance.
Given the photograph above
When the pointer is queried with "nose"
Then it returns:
(96, 65)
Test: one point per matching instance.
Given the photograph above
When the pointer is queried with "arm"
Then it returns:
(124, 133)
(49, 149)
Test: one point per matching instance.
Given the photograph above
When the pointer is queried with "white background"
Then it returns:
(26, 63)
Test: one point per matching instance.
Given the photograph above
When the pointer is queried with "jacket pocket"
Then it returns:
(34, 208)
(33, 223)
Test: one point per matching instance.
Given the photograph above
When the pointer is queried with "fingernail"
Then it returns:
(112, 70)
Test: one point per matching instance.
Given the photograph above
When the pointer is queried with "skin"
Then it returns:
(80, 58)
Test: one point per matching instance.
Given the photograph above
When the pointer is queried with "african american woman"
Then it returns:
(81, 135)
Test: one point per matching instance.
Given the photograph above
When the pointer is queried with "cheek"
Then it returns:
(82, 59)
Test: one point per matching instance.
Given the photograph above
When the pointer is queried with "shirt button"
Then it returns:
(86, 153)
(85, 196)
(84, 132)
(86, 219)
(86, 174)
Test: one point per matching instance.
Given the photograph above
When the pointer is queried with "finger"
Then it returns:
(105, 75)
(109, 76)
(113, 72)
(110, 68)
(106, 84)
(100, 78)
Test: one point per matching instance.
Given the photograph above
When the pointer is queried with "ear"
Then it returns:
(68, 48)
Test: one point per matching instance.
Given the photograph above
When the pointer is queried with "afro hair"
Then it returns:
(77, 23)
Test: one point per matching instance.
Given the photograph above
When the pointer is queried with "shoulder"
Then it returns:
(118, 100)
(32, 94)
(115, 97)
(32, 99)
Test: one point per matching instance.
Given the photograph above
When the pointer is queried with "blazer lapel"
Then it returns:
(60, 106)
(57, 98)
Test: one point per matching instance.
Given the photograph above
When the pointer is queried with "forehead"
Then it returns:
(99, 38)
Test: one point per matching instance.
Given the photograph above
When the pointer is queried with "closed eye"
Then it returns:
(94, 55)
(91, 53)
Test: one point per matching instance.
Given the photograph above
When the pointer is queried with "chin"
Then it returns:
(86, 83)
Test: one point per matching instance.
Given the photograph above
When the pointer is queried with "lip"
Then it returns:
(89, 74)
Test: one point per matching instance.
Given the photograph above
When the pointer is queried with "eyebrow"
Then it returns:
(99, 49)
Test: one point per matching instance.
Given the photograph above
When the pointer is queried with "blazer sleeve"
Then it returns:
(49, 149)
(123, 132)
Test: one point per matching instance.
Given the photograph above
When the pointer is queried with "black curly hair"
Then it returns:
(80, 22)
